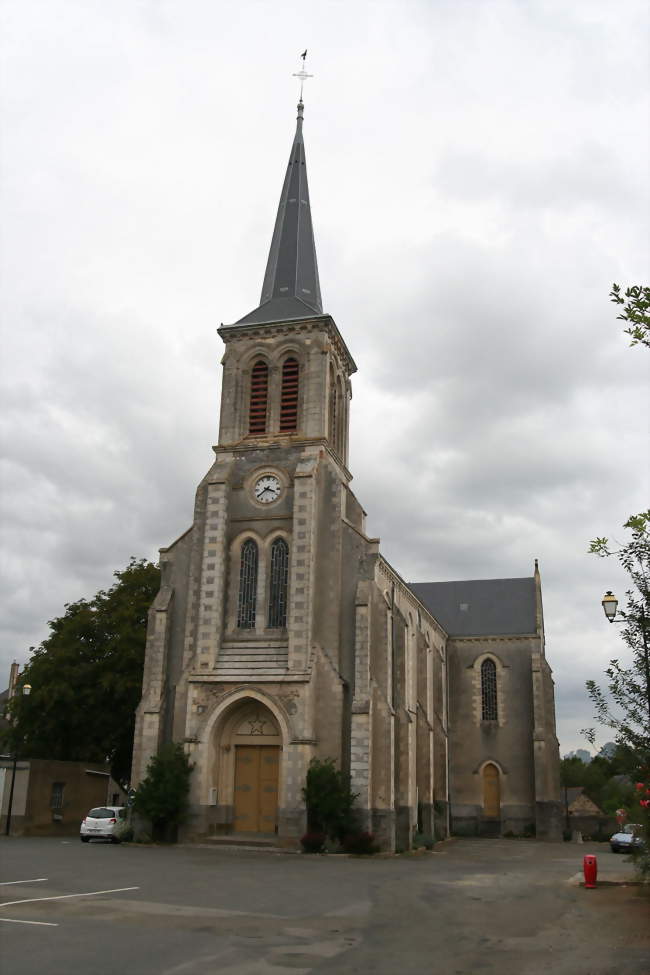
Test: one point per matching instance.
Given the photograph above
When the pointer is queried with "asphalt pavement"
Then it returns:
(501, 907)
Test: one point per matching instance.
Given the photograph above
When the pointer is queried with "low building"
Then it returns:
(51, 798)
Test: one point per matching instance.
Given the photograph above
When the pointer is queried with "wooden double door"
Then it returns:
(256, 788)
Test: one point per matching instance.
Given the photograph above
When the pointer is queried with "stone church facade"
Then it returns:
(281, 634)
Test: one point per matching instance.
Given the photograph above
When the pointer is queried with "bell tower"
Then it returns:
(286, 369)
(247, 630)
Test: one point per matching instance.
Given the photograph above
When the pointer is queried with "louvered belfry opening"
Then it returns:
(488, 690)
(289, 396)
(247, 585)
(333, 412)
(279, 580)
(259, 398)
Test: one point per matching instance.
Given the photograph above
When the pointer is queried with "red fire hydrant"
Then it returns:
(590, 867)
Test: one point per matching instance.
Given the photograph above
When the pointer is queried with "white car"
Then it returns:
(630, 836)
(103, 823)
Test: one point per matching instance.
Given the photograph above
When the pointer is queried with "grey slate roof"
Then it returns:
(481, 607)
(291, 287)
(279, 310)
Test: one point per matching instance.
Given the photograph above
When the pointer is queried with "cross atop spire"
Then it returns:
(291, 288)
(302, 74)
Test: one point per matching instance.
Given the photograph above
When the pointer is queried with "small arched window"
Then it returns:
(488, 690)
(279, 582)
(247, 585)
(259, 398)
(289, 395)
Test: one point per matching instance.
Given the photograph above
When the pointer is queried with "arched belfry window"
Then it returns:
(259, 398)
(332, 410)
(340, 401)
(279, 581)
(488, 690)
(289, 395)
(247, 585)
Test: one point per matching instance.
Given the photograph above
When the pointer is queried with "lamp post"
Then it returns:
(609, 603)
(25, 691)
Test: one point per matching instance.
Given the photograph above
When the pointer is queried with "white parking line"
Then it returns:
(44, 924)
(37, 880)
(60, 897)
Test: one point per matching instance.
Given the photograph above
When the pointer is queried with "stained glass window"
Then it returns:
(279, 580)
(488, 690)
(247, 585)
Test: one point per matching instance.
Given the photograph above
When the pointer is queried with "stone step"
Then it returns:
(254, 662)
(261, 655)
(256, 645)
(250, 671)
(251, 665)
(253, 657)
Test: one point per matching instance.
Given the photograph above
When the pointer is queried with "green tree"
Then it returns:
(636, 308)
(572, 771)
(162, 795)
(605, 780)
(86, 677)
(625, 706)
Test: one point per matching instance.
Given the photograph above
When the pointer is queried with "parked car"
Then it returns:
(631, 835)
(103, 823)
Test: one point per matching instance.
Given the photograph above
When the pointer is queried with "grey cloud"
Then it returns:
(472, 208)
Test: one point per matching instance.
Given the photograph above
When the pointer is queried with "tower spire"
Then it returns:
(291, 287)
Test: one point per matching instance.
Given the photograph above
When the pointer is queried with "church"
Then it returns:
(281, 634)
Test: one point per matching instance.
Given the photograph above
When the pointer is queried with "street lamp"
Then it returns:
(610, 605)
(25, 690)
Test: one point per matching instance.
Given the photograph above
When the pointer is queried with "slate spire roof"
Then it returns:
(291, 287)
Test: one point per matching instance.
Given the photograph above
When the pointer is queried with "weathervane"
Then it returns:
(302, 74)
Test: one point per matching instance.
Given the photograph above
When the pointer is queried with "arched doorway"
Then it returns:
(251, 744)
(491, 791)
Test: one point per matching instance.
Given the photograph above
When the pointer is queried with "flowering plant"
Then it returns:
(642, 788)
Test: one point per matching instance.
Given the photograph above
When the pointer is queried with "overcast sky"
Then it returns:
(478, 179)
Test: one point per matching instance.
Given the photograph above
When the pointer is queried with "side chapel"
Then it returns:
(280, 633)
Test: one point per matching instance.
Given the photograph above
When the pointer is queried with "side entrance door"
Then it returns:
(256, 788)
(491, 791)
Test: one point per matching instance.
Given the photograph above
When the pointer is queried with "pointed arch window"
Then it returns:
(332, 410)
(340, 424)
(289, 395)
(247, 585)
(488, 690)
(259, 398)
(279, 582)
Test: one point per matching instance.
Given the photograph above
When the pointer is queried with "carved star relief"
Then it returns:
(257, 726)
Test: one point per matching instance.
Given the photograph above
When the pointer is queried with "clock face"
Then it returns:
(267, 488)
